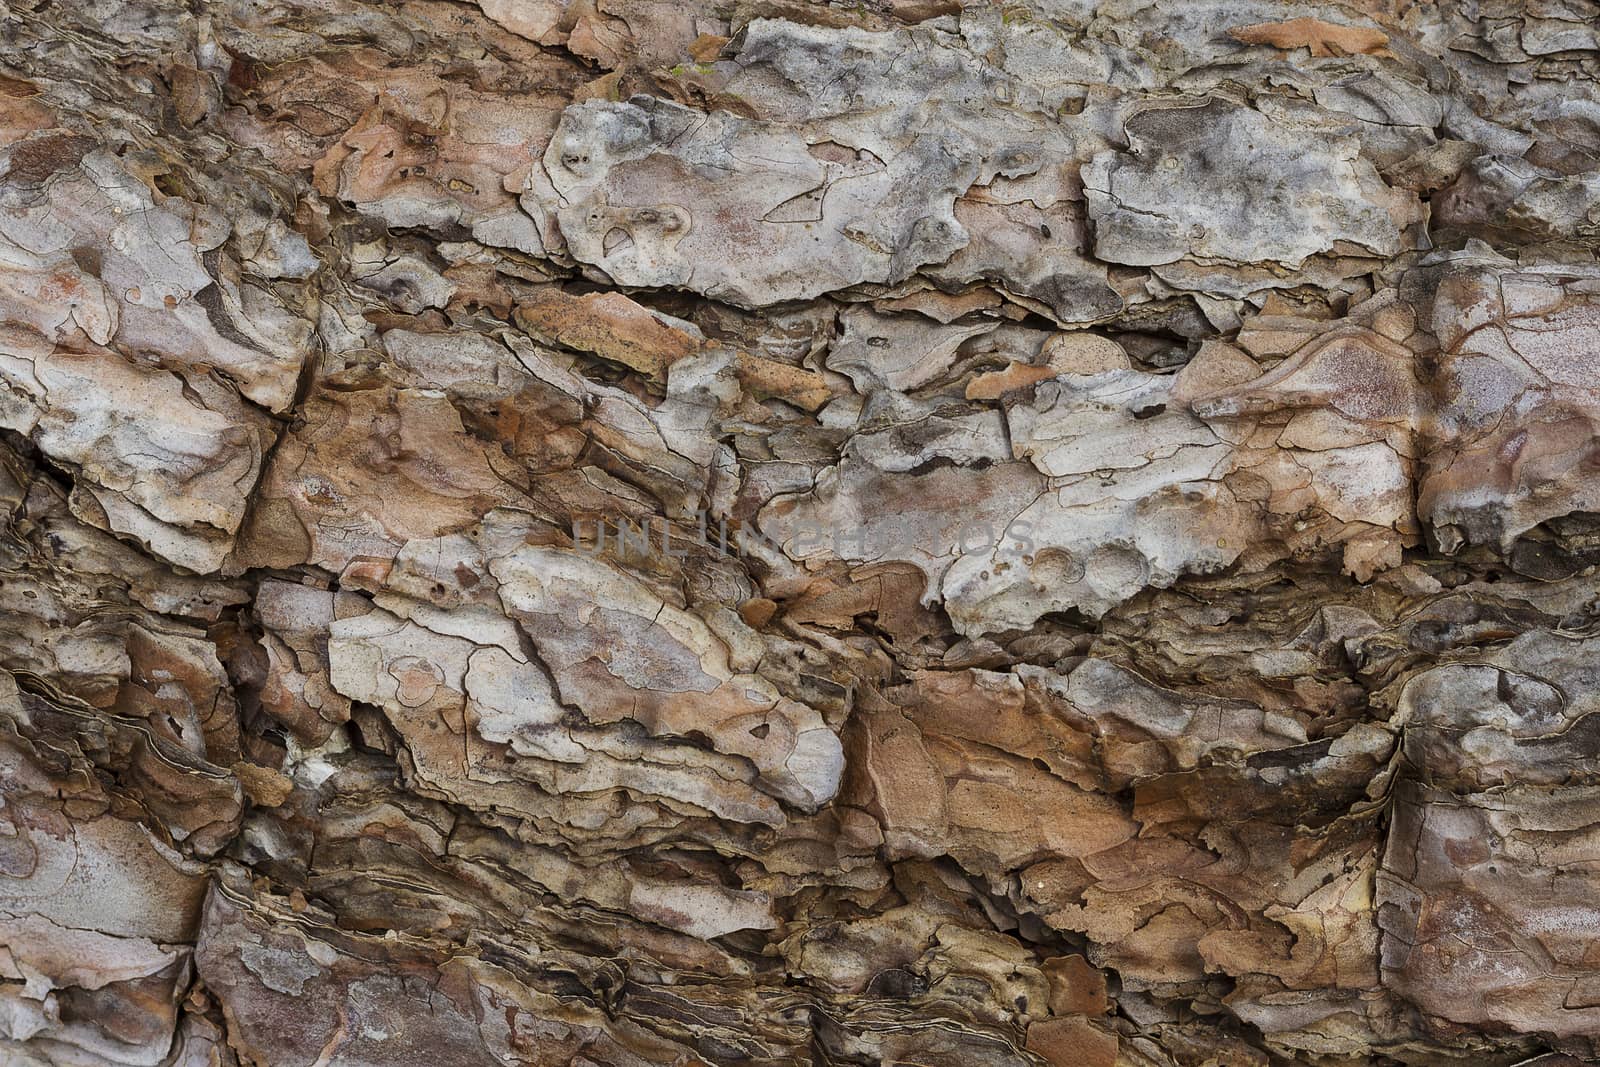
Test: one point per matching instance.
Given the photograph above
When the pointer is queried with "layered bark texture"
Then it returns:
(667, 533)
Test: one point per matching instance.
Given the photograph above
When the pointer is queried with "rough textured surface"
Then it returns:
(632, 533)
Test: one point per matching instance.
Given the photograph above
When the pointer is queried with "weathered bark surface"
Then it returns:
(1157, 623)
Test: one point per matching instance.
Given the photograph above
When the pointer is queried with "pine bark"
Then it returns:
(631, 533)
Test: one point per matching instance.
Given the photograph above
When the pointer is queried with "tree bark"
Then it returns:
(634, 533)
